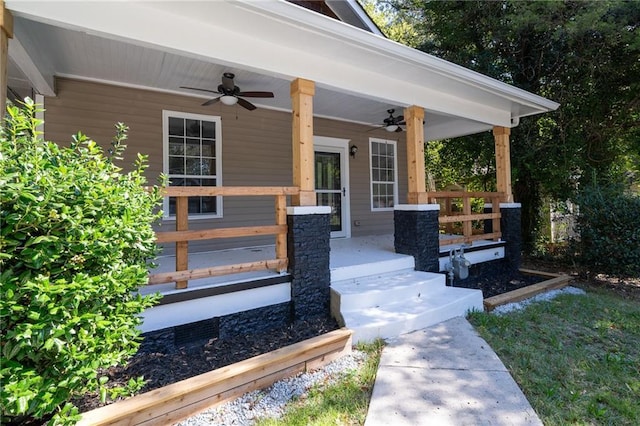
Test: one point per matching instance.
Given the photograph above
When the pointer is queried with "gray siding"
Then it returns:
(256, 149)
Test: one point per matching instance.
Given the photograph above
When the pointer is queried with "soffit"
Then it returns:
(358, 75)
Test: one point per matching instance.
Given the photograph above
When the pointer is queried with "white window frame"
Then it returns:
(395, 173)
(166, 114)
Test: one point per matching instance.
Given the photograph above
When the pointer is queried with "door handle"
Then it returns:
(344, 192)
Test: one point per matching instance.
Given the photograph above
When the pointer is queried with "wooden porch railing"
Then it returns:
(182, 235)
(448, 217)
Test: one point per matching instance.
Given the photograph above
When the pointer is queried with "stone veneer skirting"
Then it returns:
(510, 226)
(416, 234)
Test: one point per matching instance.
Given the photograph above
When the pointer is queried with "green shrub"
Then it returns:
(608, 223)
(76, 236)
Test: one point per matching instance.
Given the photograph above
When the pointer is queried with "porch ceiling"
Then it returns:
(267, 44)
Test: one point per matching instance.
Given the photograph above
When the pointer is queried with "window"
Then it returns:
(384, 190)
(192, 157)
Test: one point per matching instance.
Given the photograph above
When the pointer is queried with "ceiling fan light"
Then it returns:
(391, 127)
(229, 100)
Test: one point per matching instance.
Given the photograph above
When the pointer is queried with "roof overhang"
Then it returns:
(358, 74)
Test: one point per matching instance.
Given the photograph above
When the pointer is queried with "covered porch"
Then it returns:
(91, 64)
(366, 275)
(365, 253)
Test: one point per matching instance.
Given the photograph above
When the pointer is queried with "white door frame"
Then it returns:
(341, 146)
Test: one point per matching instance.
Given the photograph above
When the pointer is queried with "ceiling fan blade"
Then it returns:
(197, 88)
(246, 104)
(227, 81)
(256, 94)
(399, 118)
(399, 129)
(212, 101)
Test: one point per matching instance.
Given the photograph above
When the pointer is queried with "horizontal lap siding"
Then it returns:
(256, 150)
(371, 223)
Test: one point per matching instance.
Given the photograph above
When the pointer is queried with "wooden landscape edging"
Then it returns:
(177, 401)
(555, 281)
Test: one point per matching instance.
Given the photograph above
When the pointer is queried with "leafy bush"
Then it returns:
(608, 223)
(76, 236)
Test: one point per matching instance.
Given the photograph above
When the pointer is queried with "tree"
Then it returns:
(582, 54)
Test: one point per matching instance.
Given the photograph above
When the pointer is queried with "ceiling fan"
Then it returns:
(391, 123)
(230, 94)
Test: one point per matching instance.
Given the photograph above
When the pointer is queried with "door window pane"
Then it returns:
(327, 170)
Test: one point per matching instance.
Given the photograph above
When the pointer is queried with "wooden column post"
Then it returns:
(6, 32)
(302, 92)
(414, 117)
(503, 162)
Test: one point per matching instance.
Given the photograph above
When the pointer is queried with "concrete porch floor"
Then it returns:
(345, 253)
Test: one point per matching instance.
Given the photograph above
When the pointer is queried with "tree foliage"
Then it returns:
(76, 235)
(607, 223)
(582, 54)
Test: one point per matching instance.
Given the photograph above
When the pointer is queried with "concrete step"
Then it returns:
(365, 292)
(399, 263)
(393, 319)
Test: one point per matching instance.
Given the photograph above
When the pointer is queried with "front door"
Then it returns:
(332, 182)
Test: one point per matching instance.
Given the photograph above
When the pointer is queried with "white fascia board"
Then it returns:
(408, 55)
(286, 41)
(41, 81)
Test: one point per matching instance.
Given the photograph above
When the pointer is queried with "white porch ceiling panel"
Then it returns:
(267, 44)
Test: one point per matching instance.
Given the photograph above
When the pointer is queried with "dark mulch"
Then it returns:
(497, 283)
(162, 363)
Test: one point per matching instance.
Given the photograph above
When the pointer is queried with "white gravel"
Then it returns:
(503, 309)
(270, 402)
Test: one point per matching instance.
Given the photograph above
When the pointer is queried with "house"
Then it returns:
(326, 166)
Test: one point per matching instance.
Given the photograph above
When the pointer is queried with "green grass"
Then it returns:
(576, 358)
(344, 403)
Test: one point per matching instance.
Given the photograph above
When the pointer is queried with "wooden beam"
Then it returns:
(302, 92)
(465, 217)
(450, 241)
(495, 207)
(464, 194)
(179, 400)
(503, 162)
(414, 117)
(211, 234)
(182, 247)
(281, 220)
(6, 32)
(227, 191)
(526, 292)
(467, 229)
(216, 271)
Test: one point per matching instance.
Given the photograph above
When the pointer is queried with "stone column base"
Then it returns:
(308, 249)
(416, 234)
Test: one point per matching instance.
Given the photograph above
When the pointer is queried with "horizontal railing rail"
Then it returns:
(182, 235)
(448, 217)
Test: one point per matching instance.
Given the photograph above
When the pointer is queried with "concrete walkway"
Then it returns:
(445, 375)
